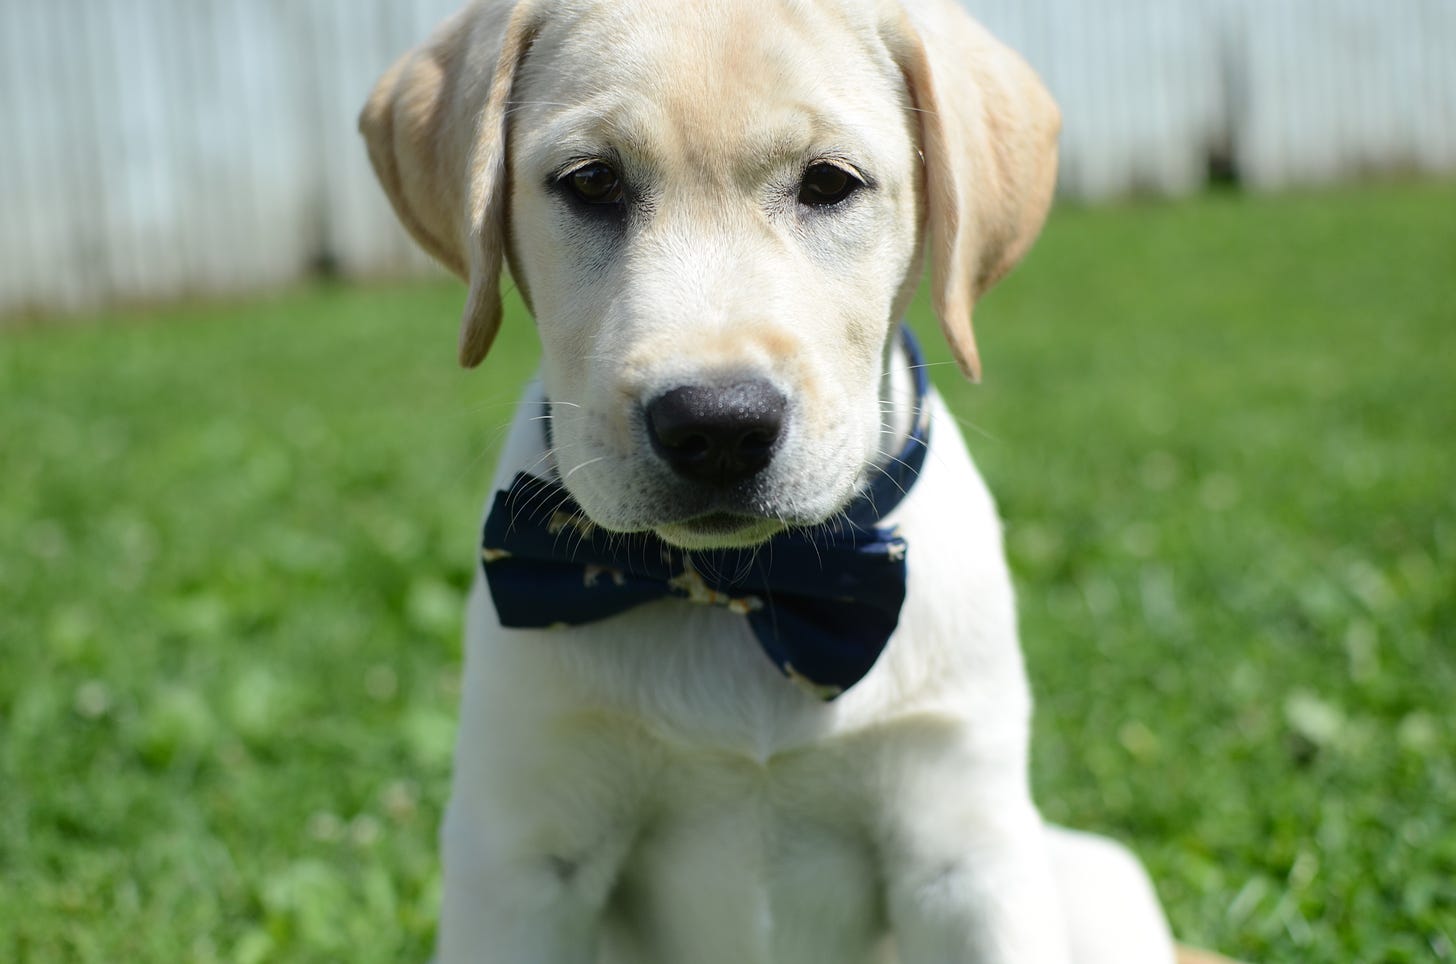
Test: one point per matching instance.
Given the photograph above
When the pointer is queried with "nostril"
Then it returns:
(760, 440)
(692, 445)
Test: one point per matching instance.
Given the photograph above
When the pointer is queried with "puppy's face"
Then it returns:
(714, 209)
(715, 216)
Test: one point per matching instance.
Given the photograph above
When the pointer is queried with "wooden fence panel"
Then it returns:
(1334, 89)
(1138, 82)
(158, 148)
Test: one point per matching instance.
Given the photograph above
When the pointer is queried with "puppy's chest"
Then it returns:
(748, 811)
(740, 861)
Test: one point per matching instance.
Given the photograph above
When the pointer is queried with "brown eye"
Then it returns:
(826, 184)
(596, 183)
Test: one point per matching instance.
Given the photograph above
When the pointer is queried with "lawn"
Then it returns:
(1222, 432)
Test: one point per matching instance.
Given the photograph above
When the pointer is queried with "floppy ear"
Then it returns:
(988, 133)
(435, 127)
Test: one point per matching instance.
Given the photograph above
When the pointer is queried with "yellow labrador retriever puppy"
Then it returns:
(742, 677)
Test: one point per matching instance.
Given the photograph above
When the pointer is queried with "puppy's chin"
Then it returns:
(720, 530)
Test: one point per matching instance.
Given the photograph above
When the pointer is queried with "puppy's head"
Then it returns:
(715, 211)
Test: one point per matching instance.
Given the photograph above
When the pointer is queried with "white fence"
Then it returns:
(154, 148)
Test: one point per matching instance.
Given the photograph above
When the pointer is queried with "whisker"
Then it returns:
(539, 499)
(924, 365)
(599, 458)
(892, 480)
(896, 458)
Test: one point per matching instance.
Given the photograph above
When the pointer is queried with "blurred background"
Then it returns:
(156, 148)
(240, 475)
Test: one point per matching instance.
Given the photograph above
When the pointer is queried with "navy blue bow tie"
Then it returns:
(822, 602)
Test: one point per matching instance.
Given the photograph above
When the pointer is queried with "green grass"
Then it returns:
(1223, 433)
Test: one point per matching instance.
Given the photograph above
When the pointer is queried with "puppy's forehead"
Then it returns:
(711, 79)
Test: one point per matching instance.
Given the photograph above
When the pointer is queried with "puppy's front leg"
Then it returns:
(517, 908)
(980, 894)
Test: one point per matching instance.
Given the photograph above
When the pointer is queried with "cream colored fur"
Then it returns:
(649, 788)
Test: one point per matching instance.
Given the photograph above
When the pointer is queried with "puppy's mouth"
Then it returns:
(719, 530)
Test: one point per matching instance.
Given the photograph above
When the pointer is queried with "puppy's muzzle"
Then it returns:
(717, 436)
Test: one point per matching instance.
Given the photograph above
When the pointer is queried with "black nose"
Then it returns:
(717, 435)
